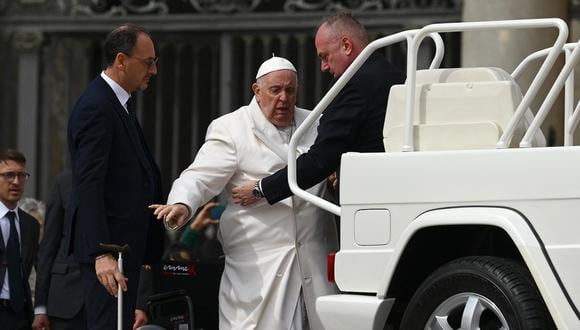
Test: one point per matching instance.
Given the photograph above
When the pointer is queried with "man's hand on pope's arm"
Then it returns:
(174, 216)
(243, 194)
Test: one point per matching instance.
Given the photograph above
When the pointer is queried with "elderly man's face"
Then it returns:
(276, 95)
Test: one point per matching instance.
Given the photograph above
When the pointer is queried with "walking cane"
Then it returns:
(120, 249)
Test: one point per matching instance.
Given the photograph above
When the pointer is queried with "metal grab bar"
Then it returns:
(538, 55)
(571, 115)
(546, 106)
(331, 94)
(505, 139)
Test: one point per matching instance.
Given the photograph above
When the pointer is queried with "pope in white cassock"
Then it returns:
(275, 255)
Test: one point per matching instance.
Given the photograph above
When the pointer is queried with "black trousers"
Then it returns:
(101, 307)
(9, 320)
(78, 322)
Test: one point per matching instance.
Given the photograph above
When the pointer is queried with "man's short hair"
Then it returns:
(121, 40)
(343, 23)
(13, 155)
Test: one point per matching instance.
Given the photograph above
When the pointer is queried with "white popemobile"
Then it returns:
(468, 221)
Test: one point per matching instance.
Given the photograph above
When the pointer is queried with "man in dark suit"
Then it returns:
(18, 244)
(353, 122)
(114, 179)
(58, 292)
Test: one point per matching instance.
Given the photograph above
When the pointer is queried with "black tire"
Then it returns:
(502, 290)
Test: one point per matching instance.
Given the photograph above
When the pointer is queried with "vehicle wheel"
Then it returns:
(477, 293)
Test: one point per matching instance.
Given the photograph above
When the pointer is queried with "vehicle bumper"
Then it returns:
(346, 311)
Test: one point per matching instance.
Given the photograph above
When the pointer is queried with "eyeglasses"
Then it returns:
(11, 176)
(148, 62)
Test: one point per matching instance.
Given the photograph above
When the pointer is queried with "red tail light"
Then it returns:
(330, 267)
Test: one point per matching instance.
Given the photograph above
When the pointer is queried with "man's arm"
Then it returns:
(53, 230)
(91, 142)
(335, 132)
(91, 133)
(213, 167)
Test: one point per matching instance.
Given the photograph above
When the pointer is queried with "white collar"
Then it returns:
(4, 210)
(120, 92)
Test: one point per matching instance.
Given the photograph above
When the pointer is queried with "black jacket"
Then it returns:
(114, 180)
(353, 122)
(29, 232)
(58, 276)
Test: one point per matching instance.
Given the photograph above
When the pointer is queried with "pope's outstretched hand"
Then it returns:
(174, 216)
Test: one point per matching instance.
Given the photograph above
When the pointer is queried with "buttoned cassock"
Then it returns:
(272, 251)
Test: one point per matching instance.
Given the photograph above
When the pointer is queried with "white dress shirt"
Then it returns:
(5, 226)
(120, 92)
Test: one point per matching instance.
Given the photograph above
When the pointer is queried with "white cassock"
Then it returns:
(272, 251)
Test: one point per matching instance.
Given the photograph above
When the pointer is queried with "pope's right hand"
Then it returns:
(174, 216)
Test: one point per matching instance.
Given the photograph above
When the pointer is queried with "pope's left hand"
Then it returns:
(243, 194)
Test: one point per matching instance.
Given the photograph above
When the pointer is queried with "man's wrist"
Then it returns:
(101, 256)
(257, 190)
(41, 309)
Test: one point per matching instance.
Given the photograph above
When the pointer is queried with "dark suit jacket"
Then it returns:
(29, 232)
(58, 276)
(114, 180)
(353, 122)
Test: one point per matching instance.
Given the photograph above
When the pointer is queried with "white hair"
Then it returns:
(31, 205)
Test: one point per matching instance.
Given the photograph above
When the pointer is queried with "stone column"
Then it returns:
(28, 43)
(507, 48)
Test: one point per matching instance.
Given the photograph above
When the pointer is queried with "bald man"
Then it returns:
(353, 122)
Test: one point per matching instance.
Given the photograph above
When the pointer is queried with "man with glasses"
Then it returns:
(114, 179)
(19, 239)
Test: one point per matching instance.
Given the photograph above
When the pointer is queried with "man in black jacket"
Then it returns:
(114, 179)
(59, 292)
(18, 243)
(353, 122)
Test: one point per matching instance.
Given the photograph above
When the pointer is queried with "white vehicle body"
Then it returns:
(455, 183)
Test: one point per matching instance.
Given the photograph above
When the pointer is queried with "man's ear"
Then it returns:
(256, 90)
(120, 61)
(346, 45)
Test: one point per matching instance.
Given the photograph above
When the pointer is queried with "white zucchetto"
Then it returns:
(274, 64)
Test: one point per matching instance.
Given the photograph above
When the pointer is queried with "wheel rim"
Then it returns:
(466, 311)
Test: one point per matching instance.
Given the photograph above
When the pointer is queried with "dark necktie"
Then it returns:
(15, 278)
(131, 110)
(141, 137)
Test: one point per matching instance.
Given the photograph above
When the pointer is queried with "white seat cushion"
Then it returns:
(455, 109)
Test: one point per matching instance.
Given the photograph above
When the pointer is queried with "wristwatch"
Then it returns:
(256, 191)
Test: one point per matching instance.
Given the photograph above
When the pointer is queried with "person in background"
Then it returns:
(275, 256)
(36, 209)
(203, 248)
(59, 302)
(19, 239)
(114, 179)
